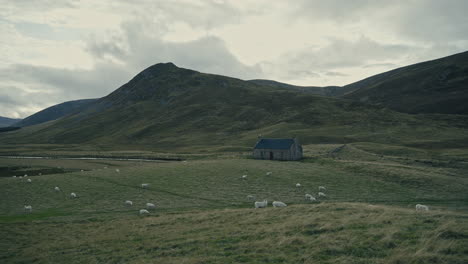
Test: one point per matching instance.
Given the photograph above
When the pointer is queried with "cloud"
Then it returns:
(332, 60)
(137, 48)
(332, 74)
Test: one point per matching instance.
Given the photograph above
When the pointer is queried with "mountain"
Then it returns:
(55, 112)
(5, 121)
(174, 109)
(437, 86)
(325, 91)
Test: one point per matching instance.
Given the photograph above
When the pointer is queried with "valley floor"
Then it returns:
(203, 214)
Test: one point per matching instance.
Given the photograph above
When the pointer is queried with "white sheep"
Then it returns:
(117, 170)
(298, 185)
(321, 194)
(105, 167)
(278, 204)
(73, 195)
(310, 197)
(144, 211)
(25, 175)
(244, 177)
(82, 170)
(128, 203)
(57, 189)
(144, 185)
(20, 177)
(420, 207)
(28, 208)
(261, 204)
(269, 173)
(40, 174)
(14, 176)
(29, 180)
(150, 206)
(251, 197)
(322, 188)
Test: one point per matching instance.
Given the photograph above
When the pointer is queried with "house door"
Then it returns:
(271, 155)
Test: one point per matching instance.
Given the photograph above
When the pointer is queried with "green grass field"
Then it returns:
(204, 216)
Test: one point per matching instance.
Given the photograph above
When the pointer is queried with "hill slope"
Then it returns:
(325, 91)
(55, 112)
(5, 121)
(167, 107)
(437, 86)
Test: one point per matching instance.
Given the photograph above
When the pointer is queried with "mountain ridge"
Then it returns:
(168, 107)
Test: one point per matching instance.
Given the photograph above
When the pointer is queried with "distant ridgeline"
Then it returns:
(6, 129)
(170, 108)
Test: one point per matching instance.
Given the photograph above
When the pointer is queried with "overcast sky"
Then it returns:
(53, 51)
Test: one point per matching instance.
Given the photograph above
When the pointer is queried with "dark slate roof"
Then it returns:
(274, 143)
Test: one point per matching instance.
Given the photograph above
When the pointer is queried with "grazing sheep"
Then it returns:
(14, 176)
(28, 208)
(40, 174)
(420, 207)
(144, 185)
(117, 170)
(150, 206)
(20, 177)
(29, 180)
(321, 194)
(73, 195)
(278, 204)
(261, 204)
(269, 173)
(144, 211)
(82, 170)
(244, 177)
(310, 197)
(298, 185)
(57, 189)
(322, 188)
(105, 167)
(25, 175)
(129, 203)
(251, 197)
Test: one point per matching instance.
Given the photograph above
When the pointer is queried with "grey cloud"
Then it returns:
(339, 54)
(435, 21)
(335, 74)
(42, 87)
(336, 10)
(387, 65)
(139, 50)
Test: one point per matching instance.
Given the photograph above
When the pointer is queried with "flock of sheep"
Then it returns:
(264, 203)
(257, 204)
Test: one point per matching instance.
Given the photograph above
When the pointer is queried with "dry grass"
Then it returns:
(324, 233)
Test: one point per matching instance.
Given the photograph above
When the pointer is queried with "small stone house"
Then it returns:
(278, 149)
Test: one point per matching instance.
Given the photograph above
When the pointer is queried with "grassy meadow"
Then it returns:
(203, 214)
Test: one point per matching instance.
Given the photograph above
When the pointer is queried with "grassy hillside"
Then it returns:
(55, 112)
(437, 86)
(325, 91)
(204, 216)
(167, 108)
